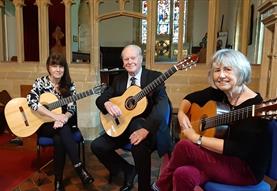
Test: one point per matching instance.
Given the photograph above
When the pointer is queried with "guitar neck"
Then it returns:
(158, 81)
(70, 99)
(227, 118)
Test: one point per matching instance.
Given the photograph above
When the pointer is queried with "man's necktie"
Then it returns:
(133, 81)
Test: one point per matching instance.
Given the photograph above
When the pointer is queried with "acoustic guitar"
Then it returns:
(133, 101)
(23, 121)
(213, 118)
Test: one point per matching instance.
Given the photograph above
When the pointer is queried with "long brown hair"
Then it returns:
(65, 82)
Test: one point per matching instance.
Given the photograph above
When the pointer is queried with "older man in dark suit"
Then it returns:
(142, 129)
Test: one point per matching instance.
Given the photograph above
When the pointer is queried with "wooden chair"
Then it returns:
(24, 90)
(4, 99)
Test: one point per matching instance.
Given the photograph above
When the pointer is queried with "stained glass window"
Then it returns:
(144, 23)
(167, 34)
(176, 20)
(163, 22)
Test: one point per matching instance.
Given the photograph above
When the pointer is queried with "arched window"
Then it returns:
(167, 30)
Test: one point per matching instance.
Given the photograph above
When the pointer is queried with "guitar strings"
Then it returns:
(223, 119)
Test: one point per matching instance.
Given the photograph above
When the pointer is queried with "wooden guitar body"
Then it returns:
(213, 118)
(116, 126)
(133, 102)
(22, 120)
(210, 109)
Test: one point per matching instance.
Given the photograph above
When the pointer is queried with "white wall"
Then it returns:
(10, 36)
(199, 20)
(10, 29)
(229, 10)
(116, 31)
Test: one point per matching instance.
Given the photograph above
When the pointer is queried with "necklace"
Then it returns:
(237, 98)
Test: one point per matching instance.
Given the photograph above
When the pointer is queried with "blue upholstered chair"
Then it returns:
(262, 186)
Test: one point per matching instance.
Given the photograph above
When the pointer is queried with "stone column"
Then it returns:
(43, 28)
(212, 27)
(180, 54)
(2, 31)
(273, 79)
(91, 112)
(94, 29)
(268, 77)
(19, 29)
(151, 32)
(68, 31)
(245, 26)
(84, 27)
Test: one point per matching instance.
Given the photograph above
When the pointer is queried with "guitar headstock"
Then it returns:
(100, 88)
(187, 62)
(267, 110)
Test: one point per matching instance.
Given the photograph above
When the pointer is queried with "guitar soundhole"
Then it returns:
(130, 103)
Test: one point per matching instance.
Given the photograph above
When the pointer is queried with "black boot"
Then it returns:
(59, 185)
(129, 176)
(85, 177)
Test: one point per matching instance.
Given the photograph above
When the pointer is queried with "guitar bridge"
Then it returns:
(116, 121)
(24, 116)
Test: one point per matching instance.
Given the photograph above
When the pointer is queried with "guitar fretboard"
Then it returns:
(227, 118)
(158, 81)
(69, 99)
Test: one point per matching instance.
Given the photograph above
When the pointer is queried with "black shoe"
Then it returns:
(115, 175)
(59, 186)
(126, 188)
(85, 177)
(129, 176)
(111, 177)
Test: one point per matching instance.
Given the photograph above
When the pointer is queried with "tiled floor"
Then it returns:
(71, 180)
(73, 183)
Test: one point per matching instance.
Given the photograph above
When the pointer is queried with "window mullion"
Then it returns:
(180, 54)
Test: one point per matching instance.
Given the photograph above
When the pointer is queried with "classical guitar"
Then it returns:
(133, 101)
(213, 118)
(23, 121)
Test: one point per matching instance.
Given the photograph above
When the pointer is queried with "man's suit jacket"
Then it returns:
(154, 113)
